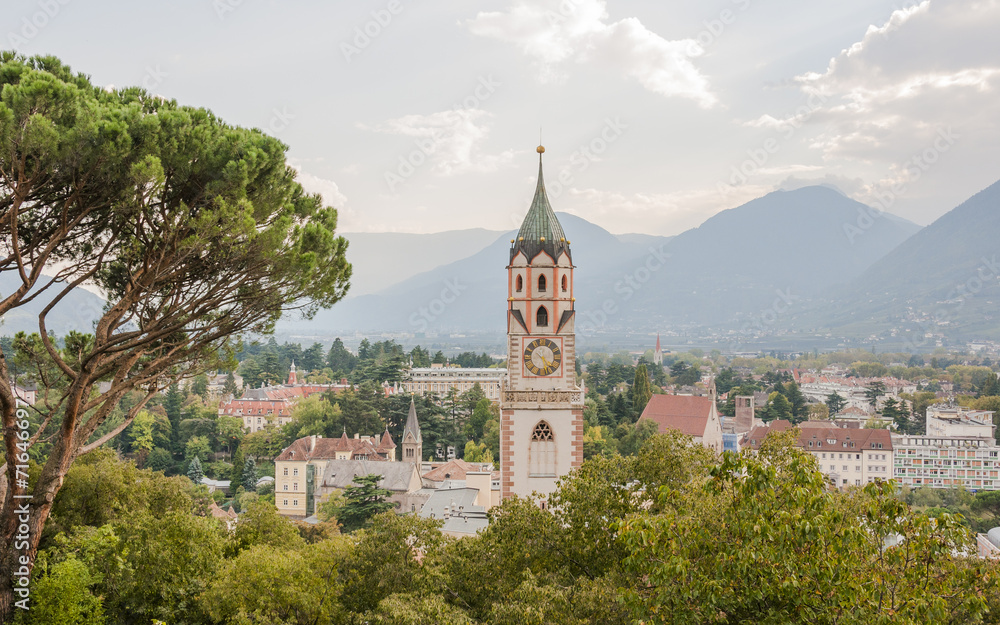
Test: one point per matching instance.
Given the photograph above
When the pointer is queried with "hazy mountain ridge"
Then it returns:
(945, 277)
(790, 242)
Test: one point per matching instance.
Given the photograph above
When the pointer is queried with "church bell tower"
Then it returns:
(541, 422)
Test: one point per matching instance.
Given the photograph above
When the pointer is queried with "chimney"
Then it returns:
(357, 436)
(312, 443)
(483, 482)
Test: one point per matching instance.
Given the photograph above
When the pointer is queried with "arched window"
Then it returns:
(542, 317)
(565, 284)
(541, 283)
(519, 284)
(542, 452)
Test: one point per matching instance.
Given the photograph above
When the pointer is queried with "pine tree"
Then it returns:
(249, 476)
(236, 474)
(229, 388)
(641, 389)
(195, 472)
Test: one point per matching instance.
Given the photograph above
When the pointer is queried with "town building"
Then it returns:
(847, 456)
(401, 479)
(440, 379)
(298, 468)
(267, 406)
(694, 416)
(958, 451)
(541, 406)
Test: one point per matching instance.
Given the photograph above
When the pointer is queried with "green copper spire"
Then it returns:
(540, 229)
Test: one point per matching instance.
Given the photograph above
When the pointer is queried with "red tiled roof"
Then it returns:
(326, 449)
(452, 470)
(686, 413)
(857, 439)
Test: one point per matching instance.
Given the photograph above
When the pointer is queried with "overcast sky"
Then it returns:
(424, 116)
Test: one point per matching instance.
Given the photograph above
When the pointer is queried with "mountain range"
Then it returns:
(810, 261)
(793, 244)
(944, 280)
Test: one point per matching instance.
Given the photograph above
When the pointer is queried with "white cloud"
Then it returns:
(314, 184)
(555, 32)
(330, 192)
(450, 140)
(930, 66)
(662, 213)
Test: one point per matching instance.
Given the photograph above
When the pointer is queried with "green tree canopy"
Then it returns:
(195, 230)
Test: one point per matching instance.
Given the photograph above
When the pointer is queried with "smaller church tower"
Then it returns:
(292, 377)
(658, 354)
(413, 444)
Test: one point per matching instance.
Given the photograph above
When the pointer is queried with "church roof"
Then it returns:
(540, 229)
(412, 425)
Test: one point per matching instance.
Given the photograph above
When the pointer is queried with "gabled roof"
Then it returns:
(452, 470)
(307, 448)
(687, 413)
(540, 230)
(820, 438)
(396, 476)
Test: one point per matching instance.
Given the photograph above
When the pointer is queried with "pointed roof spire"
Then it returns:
(412, 425)
(540, 229)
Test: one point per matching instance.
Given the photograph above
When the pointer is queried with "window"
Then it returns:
(542, 317)
(295, 471)
(824, 456)
(284, 487)
(519, 284)
(409, 452)
(295, 486)
(565, 284)
(541, 283)
(284, 471)
(857, 467)
(284, 502)
(295, 502)
(845, 467)
(542, 452)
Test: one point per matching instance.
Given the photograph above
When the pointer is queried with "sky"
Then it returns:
(424, 116)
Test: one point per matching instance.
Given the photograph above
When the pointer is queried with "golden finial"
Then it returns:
(540, 149)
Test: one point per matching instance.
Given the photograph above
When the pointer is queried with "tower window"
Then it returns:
(519, 284)
(541, 284)
(565, 283)
(542, 317)
(542, 452)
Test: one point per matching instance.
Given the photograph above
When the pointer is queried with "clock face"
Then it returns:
(542, 357)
